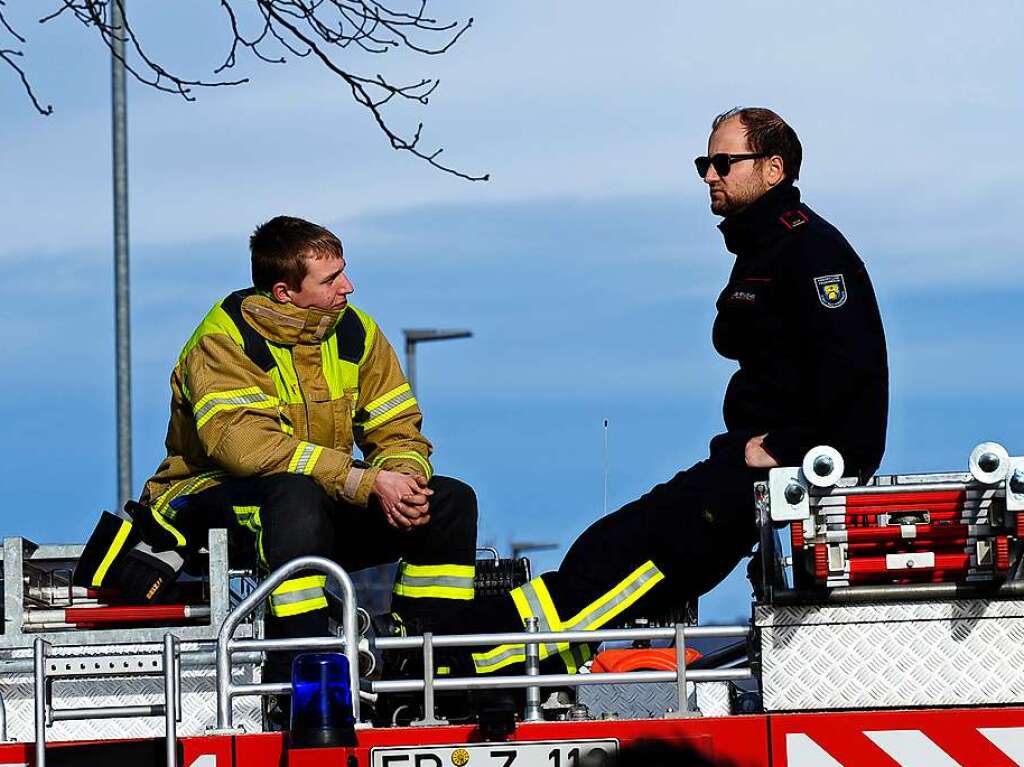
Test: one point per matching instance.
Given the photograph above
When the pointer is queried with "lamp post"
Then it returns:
(122, 320)
(421, 335)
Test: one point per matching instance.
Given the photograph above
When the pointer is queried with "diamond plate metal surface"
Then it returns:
(199, 702)
(647, 701)
(887, 612)
(893, 655)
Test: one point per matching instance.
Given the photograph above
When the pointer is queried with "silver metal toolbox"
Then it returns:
(891, 655)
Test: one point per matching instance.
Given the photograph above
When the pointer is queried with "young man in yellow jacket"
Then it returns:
(269, 396)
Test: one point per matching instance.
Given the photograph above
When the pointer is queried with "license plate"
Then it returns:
(548, 753)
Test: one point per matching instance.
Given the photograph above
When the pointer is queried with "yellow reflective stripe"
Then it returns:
(618, 599)
(298, 584)
(161, 520)
(387, 406)
(532, 600)
(498, 658)
(220, 401)
(299, 595)
(184, 487)
(611, 604)
(304, 458)
(438, 581)
(386, 398)
(112, 552)
(429, 571)
(552, 620)
(438, 592)
(411, 455)
(248, 517)
(297, 608)
(388, 415)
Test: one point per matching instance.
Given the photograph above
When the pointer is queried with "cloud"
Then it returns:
(555, 102)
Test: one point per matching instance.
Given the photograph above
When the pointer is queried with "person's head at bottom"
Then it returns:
(659, 753)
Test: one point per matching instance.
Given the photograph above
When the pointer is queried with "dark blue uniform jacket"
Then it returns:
(800, 316)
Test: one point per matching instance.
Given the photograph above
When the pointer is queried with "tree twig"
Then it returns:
(321, 29)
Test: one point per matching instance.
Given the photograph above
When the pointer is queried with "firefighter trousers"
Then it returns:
(654, 554)
(284, 516)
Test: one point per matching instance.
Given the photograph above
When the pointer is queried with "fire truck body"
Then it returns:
(887, 630)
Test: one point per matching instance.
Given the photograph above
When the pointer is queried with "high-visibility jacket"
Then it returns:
(265, 388)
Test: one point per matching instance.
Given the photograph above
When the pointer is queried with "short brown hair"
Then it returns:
(281, 246)
(769, 134)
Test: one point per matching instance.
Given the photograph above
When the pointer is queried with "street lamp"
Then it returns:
(521, 547)
(415, 336)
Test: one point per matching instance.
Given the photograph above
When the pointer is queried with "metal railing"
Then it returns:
(531, 639)
(229, 651)
(226, 645)
(46, 715)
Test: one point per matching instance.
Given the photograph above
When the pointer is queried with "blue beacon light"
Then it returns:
(321, 701)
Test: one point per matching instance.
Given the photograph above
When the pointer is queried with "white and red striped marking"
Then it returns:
(930, 747)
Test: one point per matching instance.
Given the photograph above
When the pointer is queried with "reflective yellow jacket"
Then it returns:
(264, 388)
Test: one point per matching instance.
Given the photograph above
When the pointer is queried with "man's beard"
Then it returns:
(726, 205)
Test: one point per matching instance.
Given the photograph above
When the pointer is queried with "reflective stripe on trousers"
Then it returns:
(436, 581)
(299, 595)
(533, 600)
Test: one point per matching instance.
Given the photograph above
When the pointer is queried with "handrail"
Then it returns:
(226, 645)
(225, 687)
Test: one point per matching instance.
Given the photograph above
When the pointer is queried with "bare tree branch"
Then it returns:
(9, 55)
(270, 30)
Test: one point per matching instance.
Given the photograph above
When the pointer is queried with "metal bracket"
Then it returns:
(1015, 485)
(788, 494)
(430, 718)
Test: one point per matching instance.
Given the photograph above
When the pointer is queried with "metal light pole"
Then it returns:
(122, 333)
(413, 337)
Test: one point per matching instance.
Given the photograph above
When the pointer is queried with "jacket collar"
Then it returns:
(759, 221)
(287, 324)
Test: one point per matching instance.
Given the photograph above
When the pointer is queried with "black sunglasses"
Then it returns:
(722, 162)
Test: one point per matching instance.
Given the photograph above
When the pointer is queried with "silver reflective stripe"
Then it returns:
(394, 402)
(245, 399)
(451, 581)
(516, 652)
(599, 615)
(307, 452)
(542, 622)
(171, 559)
(277, 600)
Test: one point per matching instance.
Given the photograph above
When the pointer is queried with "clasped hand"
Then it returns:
(404, 498)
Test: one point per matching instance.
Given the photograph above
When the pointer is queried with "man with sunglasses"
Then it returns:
(800, 317)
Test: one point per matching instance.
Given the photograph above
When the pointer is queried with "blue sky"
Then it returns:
(587, 267)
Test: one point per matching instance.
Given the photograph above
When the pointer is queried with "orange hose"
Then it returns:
(643, 659)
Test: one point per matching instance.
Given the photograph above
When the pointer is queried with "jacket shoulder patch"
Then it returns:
(253, 344)
(791, 219)
(351, 337)
(831, 290)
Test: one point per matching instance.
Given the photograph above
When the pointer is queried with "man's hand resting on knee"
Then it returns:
(405, 499)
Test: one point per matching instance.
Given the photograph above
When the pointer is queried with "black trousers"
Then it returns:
(656, 553)
(277, 518)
